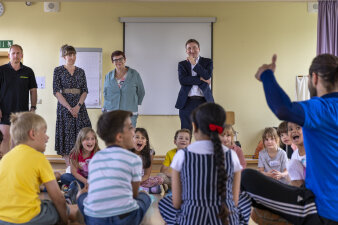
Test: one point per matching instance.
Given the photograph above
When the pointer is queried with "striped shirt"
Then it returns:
(111, 172)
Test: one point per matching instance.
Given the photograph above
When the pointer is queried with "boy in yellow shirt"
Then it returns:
(23, 170)
(182, 139)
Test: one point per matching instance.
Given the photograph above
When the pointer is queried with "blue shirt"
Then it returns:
(320, 132)
(128, 97)
(319, 119)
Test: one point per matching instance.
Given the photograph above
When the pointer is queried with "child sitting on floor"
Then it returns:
(182, 139)
(142, 149)
(86, 146)
(23, 170)
(297, 164)
(206, 177)
(272, 159)
(113, 195)
(227, 139)
(285, 141)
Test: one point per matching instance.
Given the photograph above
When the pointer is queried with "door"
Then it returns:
(3, 57)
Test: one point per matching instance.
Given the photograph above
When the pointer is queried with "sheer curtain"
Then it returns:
(327, 28)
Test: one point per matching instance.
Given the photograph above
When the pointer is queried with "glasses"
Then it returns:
(118, 60)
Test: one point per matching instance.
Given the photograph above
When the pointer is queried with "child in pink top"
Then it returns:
(227, 139)
(85, 147)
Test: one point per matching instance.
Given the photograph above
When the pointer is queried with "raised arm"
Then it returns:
(278, 101)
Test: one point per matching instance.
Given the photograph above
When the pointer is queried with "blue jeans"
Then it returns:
(68, 178)
(132, 218)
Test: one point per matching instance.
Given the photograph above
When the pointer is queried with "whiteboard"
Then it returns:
(90, 60)
(154, 50)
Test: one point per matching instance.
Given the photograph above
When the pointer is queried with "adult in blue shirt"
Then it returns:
(194, 75)
(123, 87)
(317, 202)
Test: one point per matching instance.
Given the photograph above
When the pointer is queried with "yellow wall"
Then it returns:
(245, 36)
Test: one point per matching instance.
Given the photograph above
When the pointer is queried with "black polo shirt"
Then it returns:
(14, 88)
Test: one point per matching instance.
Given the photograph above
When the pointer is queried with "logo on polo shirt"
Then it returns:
(23, 77)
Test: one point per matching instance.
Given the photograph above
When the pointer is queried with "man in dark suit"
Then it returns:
(194, 75)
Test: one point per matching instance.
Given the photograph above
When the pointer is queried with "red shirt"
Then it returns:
(83, 163)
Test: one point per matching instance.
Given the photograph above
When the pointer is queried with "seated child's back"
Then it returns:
(114, 176)
(23, 170)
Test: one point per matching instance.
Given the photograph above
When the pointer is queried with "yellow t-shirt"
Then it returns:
(22, 171)
(169, 157)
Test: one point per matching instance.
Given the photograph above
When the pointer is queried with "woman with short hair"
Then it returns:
(123, 87)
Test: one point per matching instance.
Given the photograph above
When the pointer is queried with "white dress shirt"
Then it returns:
(195, 90)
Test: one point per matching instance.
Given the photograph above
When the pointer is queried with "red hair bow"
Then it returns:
(214, 127)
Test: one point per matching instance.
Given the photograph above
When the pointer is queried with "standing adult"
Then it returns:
(16, 83)
(70, 89)
(194, 75)
(123, 87)
(317, 203)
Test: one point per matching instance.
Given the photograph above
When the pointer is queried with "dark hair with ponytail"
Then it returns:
(209, 118)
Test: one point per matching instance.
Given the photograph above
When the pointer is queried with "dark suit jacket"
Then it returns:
(203, 69)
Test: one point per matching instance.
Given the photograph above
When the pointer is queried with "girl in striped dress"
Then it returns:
(206, 177)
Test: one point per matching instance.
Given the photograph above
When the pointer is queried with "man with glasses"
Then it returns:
(194, 75)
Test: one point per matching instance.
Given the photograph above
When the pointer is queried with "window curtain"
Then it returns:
(327, 28)
(302, 90)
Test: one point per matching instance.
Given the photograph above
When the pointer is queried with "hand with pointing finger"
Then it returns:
(271, 66)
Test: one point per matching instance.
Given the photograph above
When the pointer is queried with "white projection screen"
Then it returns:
(154, 46)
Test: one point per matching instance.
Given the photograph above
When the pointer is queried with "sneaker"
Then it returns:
(72, 192)
(144, 189)
(155, 190)
(65, 188)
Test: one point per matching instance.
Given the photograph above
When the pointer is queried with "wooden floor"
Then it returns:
(152, 216)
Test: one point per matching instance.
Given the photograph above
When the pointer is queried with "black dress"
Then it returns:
(67, 127)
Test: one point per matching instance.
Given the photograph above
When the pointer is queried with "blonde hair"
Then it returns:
(76, 151)
(228, 129)
(22, 123)
(67, 50)
(270, 132)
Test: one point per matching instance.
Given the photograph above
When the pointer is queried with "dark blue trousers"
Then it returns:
(191, 104)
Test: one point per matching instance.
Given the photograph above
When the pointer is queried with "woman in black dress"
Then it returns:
(70, 89)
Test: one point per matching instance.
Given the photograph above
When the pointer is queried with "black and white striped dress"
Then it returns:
(200, 201)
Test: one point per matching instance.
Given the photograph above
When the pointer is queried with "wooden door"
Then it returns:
(3, 57)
